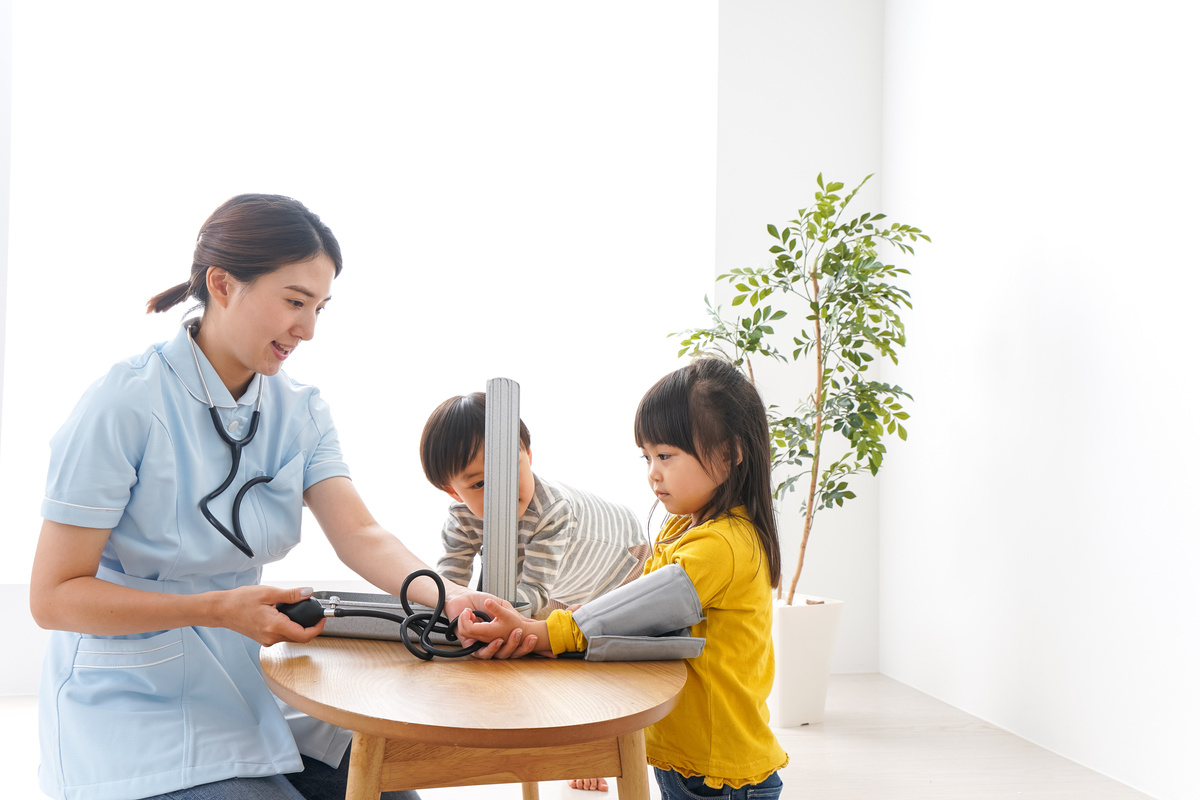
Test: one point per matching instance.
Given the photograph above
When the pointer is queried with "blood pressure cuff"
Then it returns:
(648, 619)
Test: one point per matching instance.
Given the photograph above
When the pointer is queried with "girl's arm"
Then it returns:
(362, 544)
(505, 622)
(65, 594)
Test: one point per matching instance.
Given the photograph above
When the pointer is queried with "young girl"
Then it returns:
(703, 432)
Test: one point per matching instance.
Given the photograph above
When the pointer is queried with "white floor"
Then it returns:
(880, 740)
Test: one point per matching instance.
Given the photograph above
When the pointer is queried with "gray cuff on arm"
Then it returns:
(645, 620)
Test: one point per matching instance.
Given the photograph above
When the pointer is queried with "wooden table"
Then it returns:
(461, 722)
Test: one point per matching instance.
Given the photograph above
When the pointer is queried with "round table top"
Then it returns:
(379, 688)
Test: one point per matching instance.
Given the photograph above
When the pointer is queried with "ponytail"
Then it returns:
(168, 299)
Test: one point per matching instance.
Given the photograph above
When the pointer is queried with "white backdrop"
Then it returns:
(520, 190)
(1039, 546)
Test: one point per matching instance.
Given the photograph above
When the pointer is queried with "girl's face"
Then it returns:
(256, 326)
(678, 480)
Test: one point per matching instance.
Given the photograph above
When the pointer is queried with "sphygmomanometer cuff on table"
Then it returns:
(648, 619)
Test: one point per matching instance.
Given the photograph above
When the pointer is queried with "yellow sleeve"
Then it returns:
(708, 560)
(565, 636)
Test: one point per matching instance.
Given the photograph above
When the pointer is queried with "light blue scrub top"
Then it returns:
(131, 716)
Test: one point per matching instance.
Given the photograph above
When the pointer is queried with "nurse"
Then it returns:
(149, 577)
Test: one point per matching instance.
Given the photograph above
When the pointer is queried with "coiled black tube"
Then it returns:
(422, 623)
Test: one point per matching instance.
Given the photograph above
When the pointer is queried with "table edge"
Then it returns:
(475, 737)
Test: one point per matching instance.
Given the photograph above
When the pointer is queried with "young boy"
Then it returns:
(571, 546)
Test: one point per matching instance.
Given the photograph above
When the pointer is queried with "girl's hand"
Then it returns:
(511, 634)
(250, 610)
(514, 644)
(467, 600)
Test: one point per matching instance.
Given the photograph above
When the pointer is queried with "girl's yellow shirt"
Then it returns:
(719, 728)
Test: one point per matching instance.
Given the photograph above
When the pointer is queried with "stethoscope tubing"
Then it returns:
(235, 536)
(414, 624)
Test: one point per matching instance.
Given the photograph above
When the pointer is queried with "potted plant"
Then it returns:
(826, 266)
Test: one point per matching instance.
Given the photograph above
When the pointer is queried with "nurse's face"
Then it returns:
(256, 326)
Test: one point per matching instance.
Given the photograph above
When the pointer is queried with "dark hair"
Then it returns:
(711, 412)
(249, 236)
(453, 435)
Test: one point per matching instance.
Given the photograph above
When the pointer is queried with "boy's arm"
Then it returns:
(543, 562)
(461, 539)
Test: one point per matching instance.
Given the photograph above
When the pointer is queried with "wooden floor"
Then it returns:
(880, 740)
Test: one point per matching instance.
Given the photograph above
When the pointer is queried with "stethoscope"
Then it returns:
(235, 448)
(420, 624)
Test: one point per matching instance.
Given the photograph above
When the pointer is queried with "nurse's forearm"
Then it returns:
(384, 561)
(362, 544)
(64, 593)
(94, 606)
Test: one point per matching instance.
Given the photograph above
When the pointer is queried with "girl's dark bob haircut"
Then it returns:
(711, 412)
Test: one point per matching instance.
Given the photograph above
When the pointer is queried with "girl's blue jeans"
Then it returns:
(676, 787)
(316, 782)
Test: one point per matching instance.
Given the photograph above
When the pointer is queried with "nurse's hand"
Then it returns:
(250, 610)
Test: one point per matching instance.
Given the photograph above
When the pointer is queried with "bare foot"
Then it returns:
(589, 784)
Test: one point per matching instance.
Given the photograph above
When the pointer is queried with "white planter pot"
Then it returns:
(803, 636)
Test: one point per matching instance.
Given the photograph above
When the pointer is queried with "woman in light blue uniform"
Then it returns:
(151, 685)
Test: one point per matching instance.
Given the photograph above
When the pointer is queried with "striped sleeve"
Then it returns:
(543, 555)
(584, 547)
(461, 538)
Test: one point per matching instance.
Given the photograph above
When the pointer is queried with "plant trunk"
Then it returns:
(819, 400)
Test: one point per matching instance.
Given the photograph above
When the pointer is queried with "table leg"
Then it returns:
(366, 767)
(633, 784)
(529, 791)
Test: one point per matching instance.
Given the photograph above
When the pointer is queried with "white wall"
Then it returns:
(784, 115)
(520, 190)
(1039, 548)
(509, 197)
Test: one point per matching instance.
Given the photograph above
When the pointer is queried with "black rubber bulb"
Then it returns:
(306, 613)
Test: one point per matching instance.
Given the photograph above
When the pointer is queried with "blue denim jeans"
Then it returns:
(316, 782)
(276, 787)
(676, 787)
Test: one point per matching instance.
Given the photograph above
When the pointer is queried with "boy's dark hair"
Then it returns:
(711, 412)
(453, 436)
